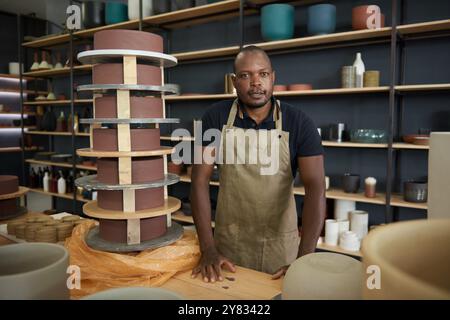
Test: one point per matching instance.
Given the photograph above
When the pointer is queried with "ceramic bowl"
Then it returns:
(415, 191)
(419, 139)
(299, 87)
(368, 136)
(279, 87)
(33, 271)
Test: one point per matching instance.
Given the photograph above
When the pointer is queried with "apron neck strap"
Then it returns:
(276, 114)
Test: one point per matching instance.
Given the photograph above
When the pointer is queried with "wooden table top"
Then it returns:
(243, 284)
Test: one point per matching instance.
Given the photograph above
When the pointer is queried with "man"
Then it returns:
(256, 218)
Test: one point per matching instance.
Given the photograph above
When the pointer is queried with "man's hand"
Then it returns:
(210, 265)
(281, 272)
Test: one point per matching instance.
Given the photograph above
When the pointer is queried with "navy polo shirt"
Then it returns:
(304, 139)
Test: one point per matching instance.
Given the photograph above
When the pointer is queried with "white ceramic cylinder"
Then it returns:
(327, 182)
(133, 9)
(359, 223)
(14, 68)
(348, 240)
(331, 232)
(45, 182)
(342, 208)
(61, 185)
(344, 225)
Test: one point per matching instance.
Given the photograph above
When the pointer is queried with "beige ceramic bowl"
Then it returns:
(33, 271)
(413, 257)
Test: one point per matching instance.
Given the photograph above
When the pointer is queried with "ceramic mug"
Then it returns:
(350, 183)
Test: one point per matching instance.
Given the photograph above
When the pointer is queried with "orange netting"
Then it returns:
(104, 270)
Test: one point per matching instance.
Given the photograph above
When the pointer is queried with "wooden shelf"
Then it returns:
(172, 20)
(169, 138)
(14, 76)
(397, 200)
(58, 72)
(57, 102)
(64, 196)
(52, 133)
(288, 44)
(337, 249)
(282, 93)
(25, 127)
(396, 145)
(423, 87)
(423, 27)
(181, 217)
(60, 164)
(30, 92)
(10, 149)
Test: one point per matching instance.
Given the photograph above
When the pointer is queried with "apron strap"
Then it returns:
(276, 114)
(232, 115)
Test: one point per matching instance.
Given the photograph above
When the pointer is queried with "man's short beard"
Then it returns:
(259, 105)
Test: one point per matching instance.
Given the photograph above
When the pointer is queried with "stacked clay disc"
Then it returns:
(132, 203)
(10, 192)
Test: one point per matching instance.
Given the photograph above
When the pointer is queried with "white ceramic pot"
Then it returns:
(14, 68)
(359, 223)
(349, 241)
(331, 232)
(135, 293)
(133, 9)
(33, 271)
(342, 208)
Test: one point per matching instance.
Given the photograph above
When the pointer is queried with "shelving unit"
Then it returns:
(58, 195)
(230, 8)
(52, 133)
(60, 164)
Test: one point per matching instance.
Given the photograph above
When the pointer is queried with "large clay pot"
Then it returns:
(412, 260)
(93, 13)
(277, 22)
(116, 12)
(133, 9)
(33, 271)
(321, 19)
(360, 18)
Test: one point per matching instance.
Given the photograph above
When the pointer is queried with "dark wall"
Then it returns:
(425, 62)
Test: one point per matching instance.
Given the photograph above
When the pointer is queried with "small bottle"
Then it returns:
(69, 123)
(61, 124)
(46, 182)
(360, 68)
(61, 184)
(33, 179)
(54, 183)
(370, 187)
(69, 182)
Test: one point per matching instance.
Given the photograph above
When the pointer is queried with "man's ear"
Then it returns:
(233, 79)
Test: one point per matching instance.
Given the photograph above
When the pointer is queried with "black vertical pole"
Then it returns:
(140, 15)
(72, 113)
(22, 140)
(392, 77)
(241, 23)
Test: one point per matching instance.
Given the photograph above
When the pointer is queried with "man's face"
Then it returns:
(254, 79)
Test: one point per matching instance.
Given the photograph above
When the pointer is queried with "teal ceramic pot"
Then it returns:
(116, 12)
(321, 19)
(277, 22)
(368, 136)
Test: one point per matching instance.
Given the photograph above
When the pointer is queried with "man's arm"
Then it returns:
(313, 214)
(211, 260)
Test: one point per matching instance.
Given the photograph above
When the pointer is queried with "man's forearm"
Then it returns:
(313, 216)
(201, 212)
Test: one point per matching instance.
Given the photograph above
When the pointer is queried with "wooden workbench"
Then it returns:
(244, 284)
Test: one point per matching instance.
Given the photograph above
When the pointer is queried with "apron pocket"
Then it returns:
(280, 251)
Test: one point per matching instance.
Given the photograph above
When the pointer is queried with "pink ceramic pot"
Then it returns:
(360, 18)
(299, 87)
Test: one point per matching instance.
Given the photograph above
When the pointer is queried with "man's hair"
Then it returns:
(251, 49)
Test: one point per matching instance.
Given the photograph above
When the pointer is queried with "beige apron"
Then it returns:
(256, 217)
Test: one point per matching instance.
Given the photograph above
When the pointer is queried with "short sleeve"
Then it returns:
(211, 120)
(309, 142)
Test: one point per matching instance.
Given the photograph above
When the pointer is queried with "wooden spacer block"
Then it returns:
(125, 167)
(129, 200)
(123, 104)
(133, 231)
(169, 220)
(124, 137)
(129, 70)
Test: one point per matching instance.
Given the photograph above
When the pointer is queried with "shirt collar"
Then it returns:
(242, 113)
